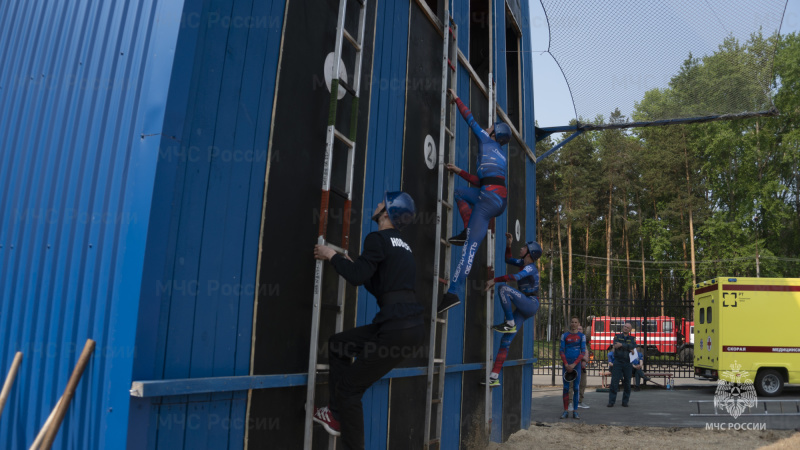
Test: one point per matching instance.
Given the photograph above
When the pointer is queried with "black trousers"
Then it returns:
(639, 375)
(376, 352)
(620, 371)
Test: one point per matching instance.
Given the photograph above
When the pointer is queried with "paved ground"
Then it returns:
(658, 407)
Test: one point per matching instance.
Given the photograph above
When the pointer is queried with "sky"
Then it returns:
(552, 101)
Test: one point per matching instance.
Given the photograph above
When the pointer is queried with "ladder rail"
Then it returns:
(490, 238)
(448, 225)
(489, 319)
(438, 247)
(312, 353)
(444, 217)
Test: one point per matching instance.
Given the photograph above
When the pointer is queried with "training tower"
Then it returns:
(166, 169)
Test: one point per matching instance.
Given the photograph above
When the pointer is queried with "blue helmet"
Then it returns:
(400, 208)
(534, 249)
(502, 133)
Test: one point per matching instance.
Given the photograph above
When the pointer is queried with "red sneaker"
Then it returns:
(324, 417)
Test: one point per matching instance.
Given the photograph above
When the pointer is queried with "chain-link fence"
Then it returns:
(663, 332)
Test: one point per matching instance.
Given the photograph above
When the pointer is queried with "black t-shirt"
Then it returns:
(386, 265)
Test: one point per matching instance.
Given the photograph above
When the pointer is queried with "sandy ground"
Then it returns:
(611, 437)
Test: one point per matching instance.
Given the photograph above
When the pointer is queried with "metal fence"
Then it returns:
(662, 330)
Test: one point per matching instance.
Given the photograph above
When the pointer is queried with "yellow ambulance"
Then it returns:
(748, 325)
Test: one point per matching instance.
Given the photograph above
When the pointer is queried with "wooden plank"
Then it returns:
(437, 24)
(472, 74)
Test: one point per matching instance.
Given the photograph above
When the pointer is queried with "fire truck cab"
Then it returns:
(748, 326)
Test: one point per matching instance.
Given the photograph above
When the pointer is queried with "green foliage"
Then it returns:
(735, 183)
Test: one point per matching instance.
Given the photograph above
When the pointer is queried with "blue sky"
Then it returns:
(552, 100)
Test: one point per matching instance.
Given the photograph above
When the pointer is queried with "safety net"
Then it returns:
(664, 61)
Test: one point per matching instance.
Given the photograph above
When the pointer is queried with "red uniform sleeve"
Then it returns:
(473, 179)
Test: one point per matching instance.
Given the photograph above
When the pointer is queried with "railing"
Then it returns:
(553, 318)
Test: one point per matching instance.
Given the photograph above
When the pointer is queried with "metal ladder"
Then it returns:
(349, 141)
(490, 244)
(444, 222)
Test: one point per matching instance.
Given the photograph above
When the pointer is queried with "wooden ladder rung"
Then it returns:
(352, 40)
(343, 138)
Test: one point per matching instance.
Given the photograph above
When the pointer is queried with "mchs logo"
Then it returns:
(736, 395)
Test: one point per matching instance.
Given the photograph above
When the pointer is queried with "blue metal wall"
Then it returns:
(134, 147)
(82, 85)
(198, 289)
(384, 162)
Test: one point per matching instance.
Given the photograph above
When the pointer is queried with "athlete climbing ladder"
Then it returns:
(349, 141)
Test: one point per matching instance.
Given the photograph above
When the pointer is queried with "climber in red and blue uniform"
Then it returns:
(477, 205)
(525, 299)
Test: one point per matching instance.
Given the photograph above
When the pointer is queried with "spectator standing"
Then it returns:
(621, 368)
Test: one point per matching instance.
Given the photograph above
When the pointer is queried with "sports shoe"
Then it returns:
(324, 417)
(575, 415)
(569, 408)
(625, 405)
(583, 405)
(610, 405)
(493, 382)
(448, 301)
(636, 389)
(504, 327)
(564, 415)
(459, 239)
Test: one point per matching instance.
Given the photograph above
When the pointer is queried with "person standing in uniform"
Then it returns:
(584, 373)
(477, 205)
(525, 299)
(623, 344)
(573, 347)
(387, 269)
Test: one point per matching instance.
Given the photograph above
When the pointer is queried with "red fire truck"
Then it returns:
(686, 342)
(662, 335)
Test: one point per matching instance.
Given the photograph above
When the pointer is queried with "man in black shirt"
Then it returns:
(387, 270)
